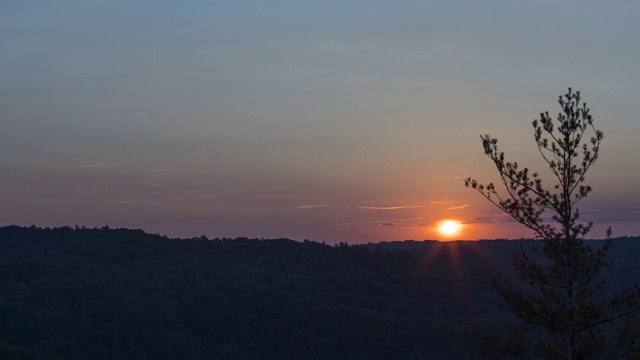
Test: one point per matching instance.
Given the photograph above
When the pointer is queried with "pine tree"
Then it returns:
(569, 310)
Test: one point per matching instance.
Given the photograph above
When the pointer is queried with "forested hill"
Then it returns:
(76, 293)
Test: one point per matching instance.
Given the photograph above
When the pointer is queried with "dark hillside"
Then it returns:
(81, 293)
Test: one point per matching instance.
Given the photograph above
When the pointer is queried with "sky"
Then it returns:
(353, 121)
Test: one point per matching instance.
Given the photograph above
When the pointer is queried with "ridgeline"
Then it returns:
(79, 293)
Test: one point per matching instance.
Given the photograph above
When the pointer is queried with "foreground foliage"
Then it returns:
(70, 293)
(570, 311)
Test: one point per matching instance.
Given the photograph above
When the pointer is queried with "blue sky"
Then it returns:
(335, 121)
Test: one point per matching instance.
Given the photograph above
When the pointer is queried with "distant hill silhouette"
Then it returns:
(78, 293)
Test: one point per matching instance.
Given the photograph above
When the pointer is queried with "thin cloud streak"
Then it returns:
(310, 206)
(123, 201)
(276, 196)
(458, 207)
(367, 207)
(403, 225)
(490, 219)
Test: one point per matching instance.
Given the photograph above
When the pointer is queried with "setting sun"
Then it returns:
(449, 227)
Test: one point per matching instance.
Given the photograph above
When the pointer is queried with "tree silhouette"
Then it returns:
(569, 310)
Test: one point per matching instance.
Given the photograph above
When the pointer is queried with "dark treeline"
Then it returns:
(76, 293)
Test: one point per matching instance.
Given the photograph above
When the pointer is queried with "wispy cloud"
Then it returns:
(397, 224)
(458, 207)
(618, 214)
(385, 222)
(154, 183)
(276, 196)
(100, 165)
(367, 207)
(405, 218)
(123, 201)
(310, 206)
(490, 219)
